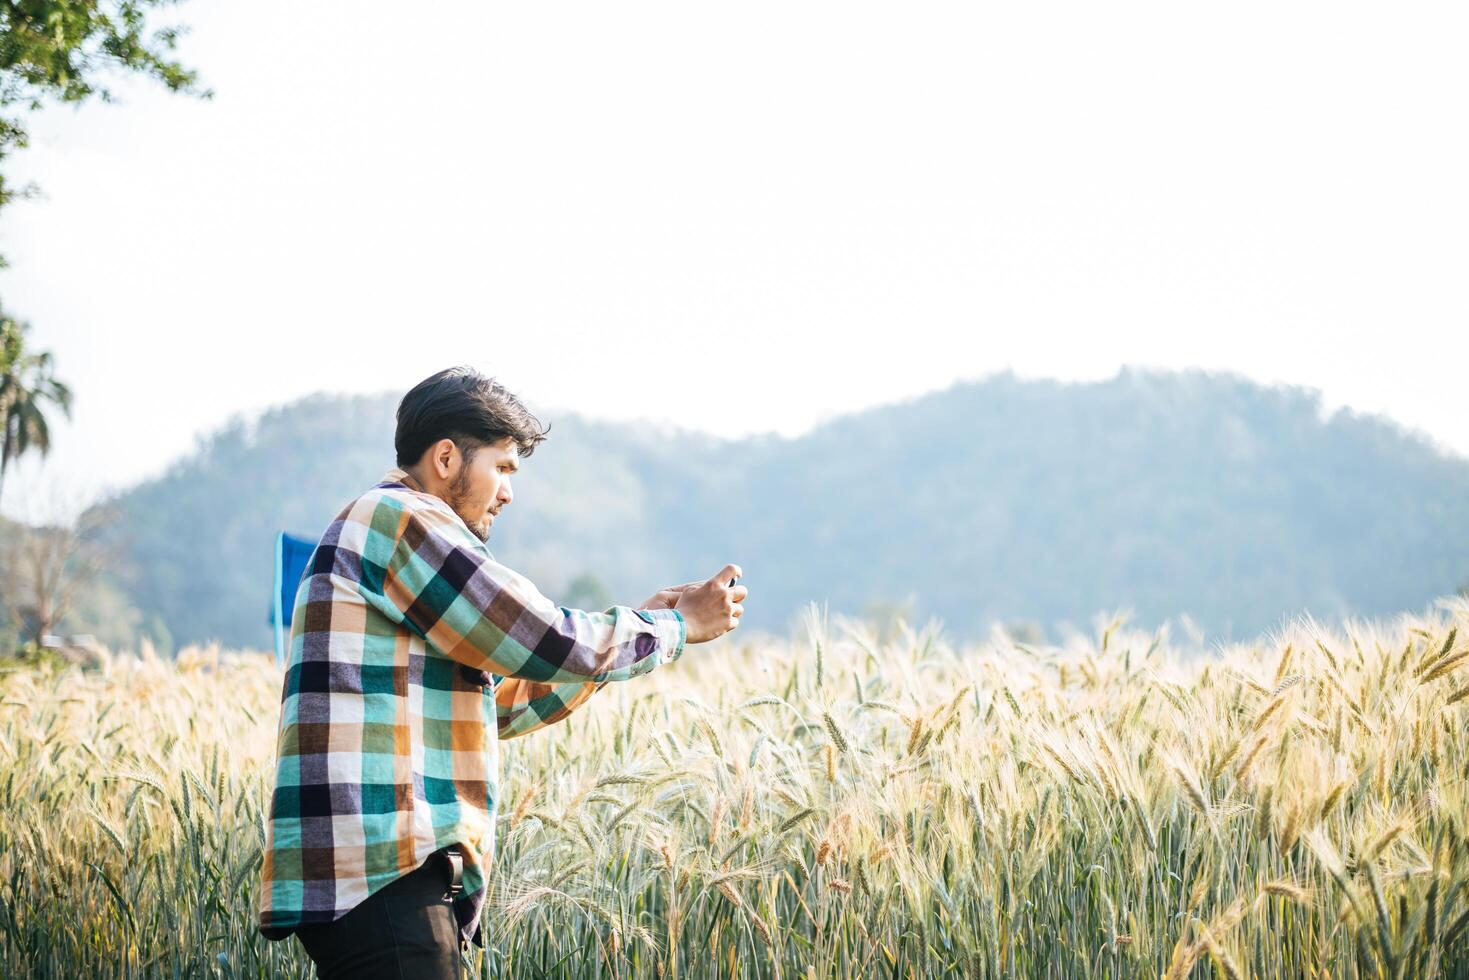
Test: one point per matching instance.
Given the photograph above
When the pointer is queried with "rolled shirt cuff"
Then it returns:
(672, 633)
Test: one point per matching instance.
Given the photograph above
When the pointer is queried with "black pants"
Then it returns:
(403, 931)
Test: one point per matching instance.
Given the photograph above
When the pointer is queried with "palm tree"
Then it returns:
(26, 384)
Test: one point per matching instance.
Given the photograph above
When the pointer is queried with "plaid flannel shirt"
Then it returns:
(412, 653)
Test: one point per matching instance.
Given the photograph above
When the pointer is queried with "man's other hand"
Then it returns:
(710, 608)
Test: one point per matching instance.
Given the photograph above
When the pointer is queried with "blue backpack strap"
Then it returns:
(280, 557)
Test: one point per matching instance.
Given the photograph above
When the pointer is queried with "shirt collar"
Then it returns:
(399, 475)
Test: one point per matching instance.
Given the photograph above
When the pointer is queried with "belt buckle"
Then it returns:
(456, 869)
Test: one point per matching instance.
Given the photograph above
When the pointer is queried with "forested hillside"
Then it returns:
(1001, 499)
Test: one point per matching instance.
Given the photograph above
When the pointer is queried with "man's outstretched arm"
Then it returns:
(423, 568)
(523, 706)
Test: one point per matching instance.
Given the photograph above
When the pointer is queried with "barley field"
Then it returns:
(829, 805)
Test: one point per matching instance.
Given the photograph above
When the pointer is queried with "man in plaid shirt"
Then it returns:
(412, 653)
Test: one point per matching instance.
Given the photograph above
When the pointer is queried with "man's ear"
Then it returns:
(443, 458)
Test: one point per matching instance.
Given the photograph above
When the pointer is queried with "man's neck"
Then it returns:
(412, 481)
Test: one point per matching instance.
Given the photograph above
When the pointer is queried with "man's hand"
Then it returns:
(712, 608)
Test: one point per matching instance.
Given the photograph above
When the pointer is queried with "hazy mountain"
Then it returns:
(1040, 501)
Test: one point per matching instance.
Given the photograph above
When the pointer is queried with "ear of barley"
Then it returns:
(1263, 811)
(1276, 703)
(1285, 684)
(1066, 766)
(1430, 661)
(1292, 828)
(1384, 840)
(1227, 966)
(1333, 798)
(729, 892)
(792, 821)
(712, 736)
(1226, 757)
(755, 749)
(1192, 790)
(1248, 761)
(1445, 666)
(1284, 664)
(763, 930)
(715, 816)
(914, 733)
(1107, 784)
(1287, 889)
(951, 722)
(623, 814)
(837, 737)
(112, 835)
(1172, 697)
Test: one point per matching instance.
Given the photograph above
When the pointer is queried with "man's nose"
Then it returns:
(505, 493)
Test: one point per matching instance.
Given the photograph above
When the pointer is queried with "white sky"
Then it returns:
(747, 216)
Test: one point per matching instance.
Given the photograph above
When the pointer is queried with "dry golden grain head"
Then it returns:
(823, 850)
(1197, 893)
(715, 816)
(915, 731)
(523, 804)
(1185, 955)
(1250, 757)
(1333, 798)
(1292, 828)
(1275, 704)
(1330, 657)
(728, 891)
(1287, 889)
(1384, 839)
(1284, 664)
(762, 929)
(1445, 666)
(1192, 789)
(838, 737)
(1226, 962)
(839, 885)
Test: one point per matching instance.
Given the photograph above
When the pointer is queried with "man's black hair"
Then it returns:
(461, 404)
